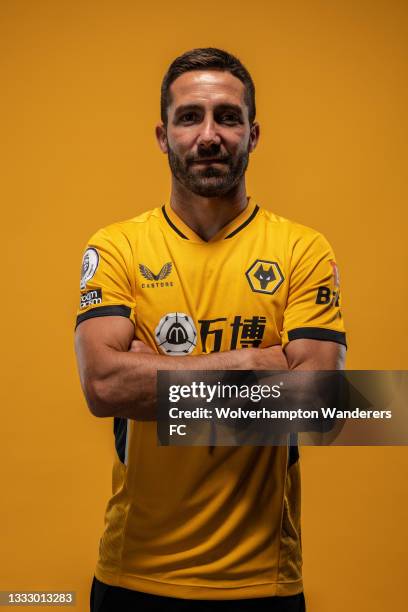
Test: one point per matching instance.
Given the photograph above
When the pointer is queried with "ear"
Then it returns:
(253, 136)
(161, 135)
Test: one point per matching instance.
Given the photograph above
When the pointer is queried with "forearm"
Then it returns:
(320, 385)
(315, 355)
(128, 387)
(124, 383)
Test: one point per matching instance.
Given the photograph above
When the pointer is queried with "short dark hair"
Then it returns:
(208, 58)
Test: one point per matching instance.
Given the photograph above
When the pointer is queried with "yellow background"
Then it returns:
(80, 97)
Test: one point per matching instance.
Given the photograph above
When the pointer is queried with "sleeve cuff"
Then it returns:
(104, 311)
(317, 333)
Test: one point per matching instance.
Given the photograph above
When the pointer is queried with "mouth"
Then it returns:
(207, 162)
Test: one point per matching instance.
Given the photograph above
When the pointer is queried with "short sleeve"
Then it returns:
(313, 308)
(105, 286)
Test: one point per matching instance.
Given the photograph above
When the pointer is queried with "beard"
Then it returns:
(211, 181)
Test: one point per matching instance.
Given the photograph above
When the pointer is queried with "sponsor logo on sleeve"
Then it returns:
(91, 298)
(327, 295)
(336, 274)
(90, 263)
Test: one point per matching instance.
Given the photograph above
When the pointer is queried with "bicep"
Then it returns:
(306, 354)
(97, 337)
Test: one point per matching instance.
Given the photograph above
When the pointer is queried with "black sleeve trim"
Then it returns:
(317, 333)
(104, 311)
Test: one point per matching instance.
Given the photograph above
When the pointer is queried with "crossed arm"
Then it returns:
(118, 373)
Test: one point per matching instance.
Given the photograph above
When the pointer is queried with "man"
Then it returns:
(204, 276)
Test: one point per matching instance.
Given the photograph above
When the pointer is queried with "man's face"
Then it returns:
(208, 137)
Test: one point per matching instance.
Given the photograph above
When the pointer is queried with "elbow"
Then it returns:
(99, 397)
(341, 358)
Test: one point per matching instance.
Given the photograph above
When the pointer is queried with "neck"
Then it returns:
(206, 216)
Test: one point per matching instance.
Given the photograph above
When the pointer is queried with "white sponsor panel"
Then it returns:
(176, 334)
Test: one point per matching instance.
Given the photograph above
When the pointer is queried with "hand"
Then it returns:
(137, 346)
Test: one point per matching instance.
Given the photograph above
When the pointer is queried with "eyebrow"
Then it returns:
(187, 107)
(219, 108)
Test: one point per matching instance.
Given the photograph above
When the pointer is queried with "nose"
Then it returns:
(208, 133)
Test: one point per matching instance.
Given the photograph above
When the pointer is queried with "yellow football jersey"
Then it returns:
(187, 522)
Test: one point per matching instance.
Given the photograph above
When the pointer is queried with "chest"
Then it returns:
(210, 297)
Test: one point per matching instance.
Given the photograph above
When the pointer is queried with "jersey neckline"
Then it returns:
(184, 232)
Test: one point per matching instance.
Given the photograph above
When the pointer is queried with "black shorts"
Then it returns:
(106, 598)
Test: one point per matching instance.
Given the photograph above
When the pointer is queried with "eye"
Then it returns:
(230, 118)
(189, 117)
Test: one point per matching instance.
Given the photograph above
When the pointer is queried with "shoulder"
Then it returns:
(122, 233)
(296, 236)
